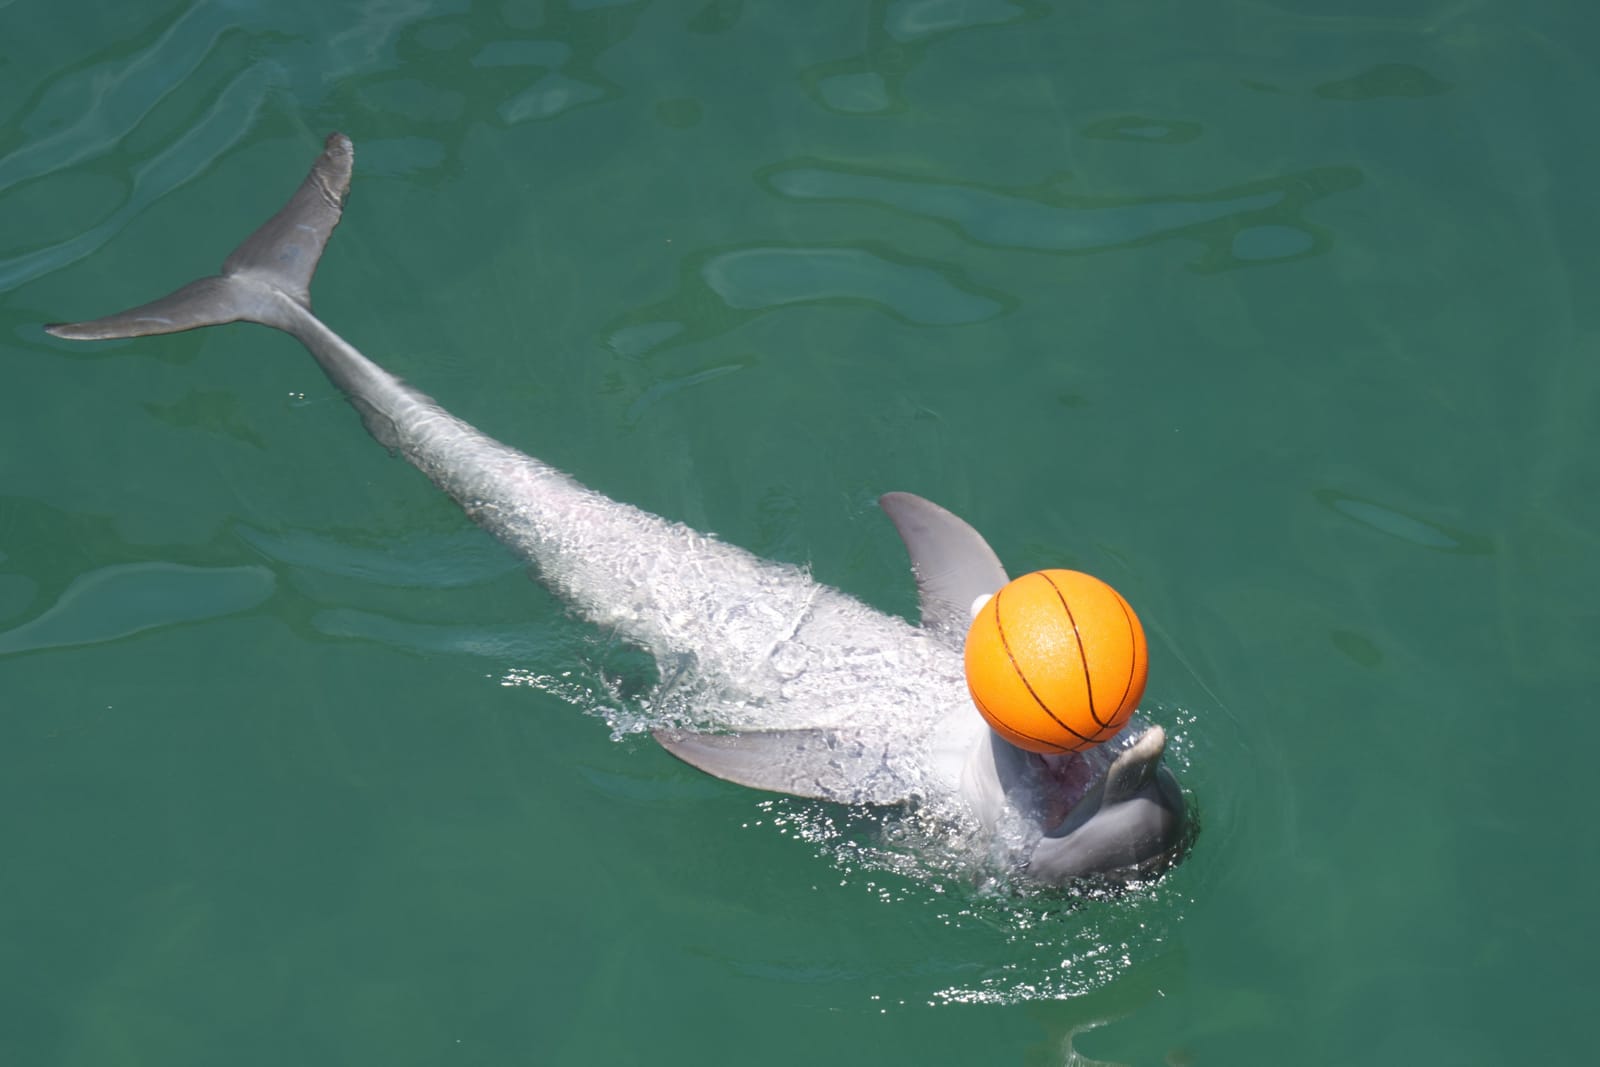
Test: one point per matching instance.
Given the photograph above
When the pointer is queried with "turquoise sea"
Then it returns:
(1279, 316)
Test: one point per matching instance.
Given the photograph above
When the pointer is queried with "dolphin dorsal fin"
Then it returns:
(1135, 767)
(953, 564)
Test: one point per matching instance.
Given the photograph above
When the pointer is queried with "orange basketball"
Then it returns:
(1056, 661)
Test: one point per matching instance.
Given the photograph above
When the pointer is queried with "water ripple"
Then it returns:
(450, 561)
(913, 20)
(898, 34)
(130, 598)
(761, 278)
(107, 98)
(748, 282)
(1251, 223)
(510, 643)
(1385, 81)
(550, 96)
(1143, 130)
(226, 122)
(665, 387)
(1406, 527)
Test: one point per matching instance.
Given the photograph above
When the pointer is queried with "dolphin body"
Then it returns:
(791, 686)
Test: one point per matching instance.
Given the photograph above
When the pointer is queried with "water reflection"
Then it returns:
(419, 72)
(898, 32)
(231, 112)
(434, 561)
(722, 290)
(1254, 222)
(764, 278)
(718, 16)
(209, 411)
(662, 388)
(548, 97)
(1385, 81)
(508, 64)
(86, 107)
(1357, 647)
(1406, 527)
(913, 20)
(1144, 130)
(130, 598)
(508, 643)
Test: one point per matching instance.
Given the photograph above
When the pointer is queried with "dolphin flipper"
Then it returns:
(283, 254)
(841, 765)
(953, 564)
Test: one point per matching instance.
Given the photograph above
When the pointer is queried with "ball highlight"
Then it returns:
(1056, 661)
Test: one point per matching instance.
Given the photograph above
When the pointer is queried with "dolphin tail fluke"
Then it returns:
(207, 302)
(953, 564)
(279, 258)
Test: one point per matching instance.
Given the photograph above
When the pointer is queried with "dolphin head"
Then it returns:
(1113, 813)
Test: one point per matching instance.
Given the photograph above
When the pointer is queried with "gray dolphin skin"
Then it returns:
(776, 681)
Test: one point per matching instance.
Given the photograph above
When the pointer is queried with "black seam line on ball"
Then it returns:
(1133, 646)
(1001, 630)
(1061, 750)
(1083, 657)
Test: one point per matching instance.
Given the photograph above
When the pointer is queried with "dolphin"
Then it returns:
(783, 683)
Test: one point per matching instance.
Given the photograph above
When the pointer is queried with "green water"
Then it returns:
(1280, 317)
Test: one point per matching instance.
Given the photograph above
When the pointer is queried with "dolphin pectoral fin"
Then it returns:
(953, 564)
(843, 766)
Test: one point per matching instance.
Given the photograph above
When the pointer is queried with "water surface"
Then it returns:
(1276, 318)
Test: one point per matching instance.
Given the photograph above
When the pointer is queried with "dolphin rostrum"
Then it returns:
(782, 683)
